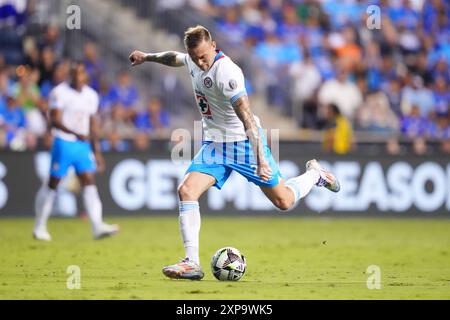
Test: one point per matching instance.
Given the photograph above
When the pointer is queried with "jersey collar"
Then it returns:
(218, 56)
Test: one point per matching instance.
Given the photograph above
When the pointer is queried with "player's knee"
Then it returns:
(186, 192)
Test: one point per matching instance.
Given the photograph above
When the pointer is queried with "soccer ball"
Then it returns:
(228, 264)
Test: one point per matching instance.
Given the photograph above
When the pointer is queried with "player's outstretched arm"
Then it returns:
(242, 108)
(56, 122)
(168, 58)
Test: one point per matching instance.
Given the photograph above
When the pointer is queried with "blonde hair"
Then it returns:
(195, 35)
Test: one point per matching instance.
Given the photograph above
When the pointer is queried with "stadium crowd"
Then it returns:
(128, 120)
(320, 57)
(318, 62)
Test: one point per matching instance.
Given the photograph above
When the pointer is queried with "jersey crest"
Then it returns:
(207, 82)
(202, 103)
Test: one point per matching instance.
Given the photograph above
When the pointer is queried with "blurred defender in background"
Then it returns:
(73, 107)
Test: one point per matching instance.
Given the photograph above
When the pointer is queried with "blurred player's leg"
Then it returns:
(93, 206)
(190, 190)
(44, 204)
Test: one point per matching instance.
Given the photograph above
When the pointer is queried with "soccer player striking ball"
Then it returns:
(73, 107)
(231, 132)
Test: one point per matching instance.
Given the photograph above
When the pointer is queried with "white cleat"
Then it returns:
(327, 179)
(185, 269)
(105, 230)
(42, 234)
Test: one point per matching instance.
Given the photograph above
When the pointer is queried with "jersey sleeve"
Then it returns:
(95, 102)
(183, 58)
(55, 100)
(231, 82)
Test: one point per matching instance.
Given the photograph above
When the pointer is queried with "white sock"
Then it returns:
(190, 228)
(43, 207)
(93, 205)
(303, 184)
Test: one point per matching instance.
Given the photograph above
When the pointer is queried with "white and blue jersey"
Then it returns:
(225, 144)
(77, 107)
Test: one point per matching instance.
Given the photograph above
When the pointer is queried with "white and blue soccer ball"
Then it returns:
(228, 264)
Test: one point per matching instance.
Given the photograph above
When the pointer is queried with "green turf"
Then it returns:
(288, 258)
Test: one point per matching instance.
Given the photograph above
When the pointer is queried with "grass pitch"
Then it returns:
(288, 258)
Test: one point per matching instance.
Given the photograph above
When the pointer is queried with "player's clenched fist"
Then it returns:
(137, 57)
(263, 171)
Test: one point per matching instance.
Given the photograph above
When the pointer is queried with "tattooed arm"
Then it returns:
(168, 58)
(242, 108)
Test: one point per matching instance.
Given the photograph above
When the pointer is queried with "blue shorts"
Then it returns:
(219, 159)
(71, 153)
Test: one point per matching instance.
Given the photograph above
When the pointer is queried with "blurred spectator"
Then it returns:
(338, 135)
(419, 146)
(414, 124)
(343, 12)
(172, 92)
(232, 25)
(106, 99)
(415, 94)
(342, 92)
(441, 94)
(419, 65)
(32, 53)
(47, 65)
(393, 93)
(114, 143)
(393, 146)
(408, 40)
(275, 56)
(290, 28)
(14, 122)
(116, 130)
(125, 93)
(94, 65)
(13, 13)
(442, 69)
(153, 119)
(51, 38)
(141, 141)
(28, 96)
(433, 12)
(376, 116)
(118, 124)
(311, 9)
(349, 53)
(305, 80)
(5, 83)
(59, 75)
(440, 129)
(26, 90)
